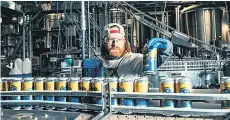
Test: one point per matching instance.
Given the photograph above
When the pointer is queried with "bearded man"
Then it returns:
(119, 61)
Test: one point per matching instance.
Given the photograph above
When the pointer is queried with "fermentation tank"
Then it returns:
(205, 23)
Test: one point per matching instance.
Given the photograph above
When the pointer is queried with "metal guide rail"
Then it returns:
(107, 109)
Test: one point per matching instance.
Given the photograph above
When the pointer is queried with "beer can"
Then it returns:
(97, 86)
(87, 86)
(141, 85)
(97, 83)
(27, 85)
(127, 86)
(50, 85)
(86, 83)
(73, 85)
(61, 85)
(38, 86)
(15, 85)
(150, 61)
(185, 86)
(112, 81)
(168, 87)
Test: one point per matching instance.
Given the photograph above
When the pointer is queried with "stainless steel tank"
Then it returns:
(52, 20)
(205, 23)
(117, 16)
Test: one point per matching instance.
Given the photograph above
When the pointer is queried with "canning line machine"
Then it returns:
(203, 68)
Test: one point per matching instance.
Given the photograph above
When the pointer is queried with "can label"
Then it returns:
(98, 101)
(27, 86)
(61, 99)
(142, 86)
(50, 98)
(185, 87)
(61, 85)
(16, 86)
(1, 86)
(38, 97)
(150, 61)
(50, 85)
(85, 86)
(141, 103)
(127, 102)
(97, 86)
(168, 87)
(74, 99)
(114, 101)
(168, 103)
(113, 86)
(73, 86)
(127, 86)
(38, 85)
(185, 104)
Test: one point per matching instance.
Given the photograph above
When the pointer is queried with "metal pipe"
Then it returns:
(83, 28)
(89, 32)
(23, 36)
(30, 42)
(106, 13)
(94, 30)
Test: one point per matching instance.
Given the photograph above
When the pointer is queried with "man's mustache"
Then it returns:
(115, 48)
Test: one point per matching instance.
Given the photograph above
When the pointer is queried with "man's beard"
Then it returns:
(116, 51)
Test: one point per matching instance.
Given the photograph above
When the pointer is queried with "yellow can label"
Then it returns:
(73, 86)
(113, 86)
(97, 86)
(38, 85)
(50, 85)
(127, 86)
(61, 85)
(142, 86)
(1, 86)
(168, 87)
(15, 86)
(227, 85)
(28, 85)
(86, 86)
(185, 87)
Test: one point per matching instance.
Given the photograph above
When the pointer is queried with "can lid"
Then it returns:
(51, 78)
(227, 80)
(62, 79)
(167, 80)
(98, 79)
(74, 79)
(142, 79)
(223, 79)
(16, 79)
(112, 79)
(40, 78)
(126, 79)
(29, 79)
(87, 78)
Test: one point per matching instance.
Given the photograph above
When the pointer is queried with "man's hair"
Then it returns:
(105, 52)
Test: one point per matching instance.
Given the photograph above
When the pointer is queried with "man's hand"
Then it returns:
(158, 43)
